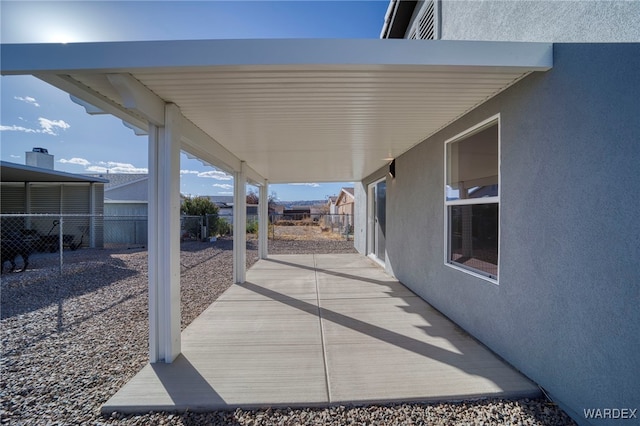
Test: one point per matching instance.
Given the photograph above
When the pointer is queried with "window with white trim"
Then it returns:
(472, 199)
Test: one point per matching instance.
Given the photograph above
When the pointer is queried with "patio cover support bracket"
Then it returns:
(164, 238)
(136, 97)
(263, 221)
(240, 225)
(91, 97)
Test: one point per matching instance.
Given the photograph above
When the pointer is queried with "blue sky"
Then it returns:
(34, 114)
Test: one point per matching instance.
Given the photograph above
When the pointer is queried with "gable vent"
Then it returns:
(425, 27)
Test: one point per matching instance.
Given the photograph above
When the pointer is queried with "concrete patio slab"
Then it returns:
(350, 288)
(277, 261)
(220, 378)
(418, 371)
(313, 330)
(342, 261)
(256, 322)
(296, 288)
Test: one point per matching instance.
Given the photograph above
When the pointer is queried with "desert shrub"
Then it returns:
(252, 227)
(223, 227)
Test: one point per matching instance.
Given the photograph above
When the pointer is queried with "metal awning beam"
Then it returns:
(114, 57)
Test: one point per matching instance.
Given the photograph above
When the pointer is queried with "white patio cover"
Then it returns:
(269, 111)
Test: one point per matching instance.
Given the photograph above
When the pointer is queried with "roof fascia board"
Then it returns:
(53, 173)
(84, 93)
(343, 196)
(114, 57)
(348, 194)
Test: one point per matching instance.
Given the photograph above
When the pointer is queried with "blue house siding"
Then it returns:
(566, 308)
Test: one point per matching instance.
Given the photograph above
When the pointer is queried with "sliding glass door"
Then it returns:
(377, 218)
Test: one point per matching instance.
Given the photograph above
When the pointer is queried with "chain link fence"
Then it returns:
(311, 226)
(27, 235)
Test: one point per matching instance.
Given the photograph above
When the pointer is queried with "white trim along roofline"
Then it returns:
(140, 55)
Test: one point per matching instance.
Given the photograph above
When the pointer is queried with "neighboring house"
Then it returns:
(296, 213)
(345, 202)
(225, 206)
(125, 194)
(35, 190)
(511, 208)
(126, 202)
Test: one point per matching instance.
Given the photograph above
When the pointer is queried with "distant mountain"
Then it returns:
(303, 203)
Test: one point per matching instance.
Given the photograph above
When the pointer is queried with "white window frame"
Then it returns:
(491, 121)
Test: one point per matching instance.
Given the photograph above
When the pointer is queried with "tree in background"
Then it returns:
(202, 206)
(198, 206)
(254, 198)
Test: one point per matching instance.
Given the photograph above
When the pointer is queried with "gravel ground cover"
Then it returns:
(308, 232)
(70, 342)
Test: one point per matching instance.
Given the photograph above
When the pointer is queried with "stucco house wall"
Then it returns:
(537, 20)
(565, 308)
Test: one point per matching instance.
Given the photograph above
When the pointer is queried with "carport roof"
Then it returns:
(11, 172)
(293, 110)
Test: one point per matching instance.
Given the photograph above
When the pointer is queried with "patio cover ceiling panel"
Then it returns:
(316, 110)
(297, 126)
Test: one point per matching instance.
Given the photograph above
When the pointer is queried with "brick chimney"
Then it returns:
(39, 157)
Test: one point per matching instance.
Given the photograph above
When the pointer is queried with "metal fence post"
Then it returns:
(60, 242)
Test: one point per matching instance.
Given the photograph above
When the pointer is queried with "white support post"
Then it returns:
(240, 225)
(164, 238)
(92, 212)
(153, 251)
(263, 221)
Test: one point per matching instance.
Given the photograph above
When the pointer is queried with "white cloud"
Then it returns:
(15, 128)
(14, 156)
(97, 169)
(222, 185)
(115, 167)
(189, 172)
(76, 160)
(311, 184)
(49, 126)
(215, 174)
(27, 99)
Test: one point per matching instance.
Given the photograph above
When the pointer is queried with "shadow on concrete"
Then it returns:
(386, 283)
(186, 387)
(458, 360)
